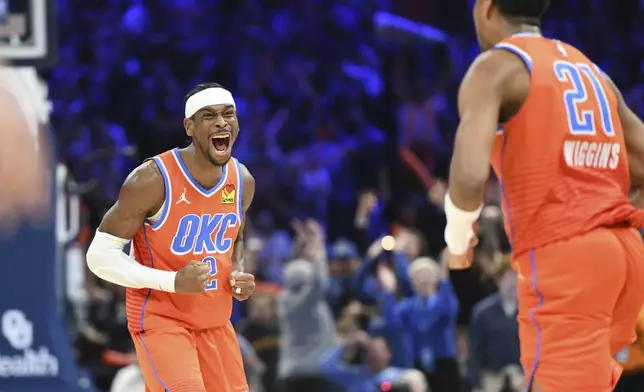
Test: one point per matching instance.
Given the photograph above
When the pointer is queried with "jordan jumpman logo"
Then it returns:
(183, 197)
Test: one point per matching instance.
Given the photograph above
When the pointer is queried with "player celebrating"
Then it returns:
(561, 156)
(184, 210)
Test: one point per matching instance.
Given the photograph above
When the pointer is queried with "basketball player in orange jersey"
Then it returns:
(184, 213)
(560, 138)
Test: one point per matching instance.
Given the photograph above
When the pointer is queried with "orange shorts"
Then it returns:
(578, 305)
(175, 359)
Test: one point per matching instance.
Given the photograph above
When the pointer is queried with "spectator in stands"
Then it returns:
(408, 240)
(262, 330)
(343, 261)
(267, 247)
(365, 281)
(253, 365)
(360, 378)
(428, 319)
(399, 341)
(104, 344)
(353, 318)
(307, 323)
(494, 335)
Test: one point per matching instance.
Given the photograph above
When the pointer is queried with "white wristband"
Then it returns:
(105, 258)
(458, 231)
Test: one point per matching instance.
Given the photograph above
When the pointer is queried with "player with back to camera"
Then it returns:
(184, 212)
(560, 139)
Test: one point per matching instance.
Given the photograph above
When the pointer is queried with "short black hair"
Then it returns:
(201, 87)
(523, 11)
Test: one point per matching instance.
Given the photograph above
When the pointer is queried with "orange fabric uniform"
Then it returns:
(562, 164)
(186, 343)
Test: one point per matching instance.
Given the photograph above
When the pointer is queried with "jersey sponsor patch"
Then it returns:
(228, 194)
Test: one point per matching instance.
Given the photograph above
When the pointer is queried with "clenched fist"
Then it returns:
(192, 278)
(243, 285)
(458, 262)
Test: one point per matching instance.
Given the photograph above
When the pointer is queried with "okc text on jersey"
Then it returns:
(203, 234)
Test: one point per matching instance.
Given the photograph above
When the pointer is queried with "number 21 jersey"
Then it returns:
(561, 159)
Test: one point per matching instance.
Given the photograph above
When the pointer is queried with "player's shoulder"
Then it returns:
(247, 177)
(568, 48)
(613, 87)
(243, 169)
(145, 181)
(494, 67)
(502, 62)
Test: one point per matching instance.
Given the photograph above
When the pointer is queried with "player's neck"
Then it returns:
(201, 168)
(521, 29)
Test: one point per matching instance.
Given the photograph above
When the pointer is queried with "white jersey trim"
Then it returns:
(158, 219)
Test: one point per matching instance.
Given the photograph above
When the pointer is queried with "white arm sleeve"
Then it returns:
(459, 229)
(105, 258)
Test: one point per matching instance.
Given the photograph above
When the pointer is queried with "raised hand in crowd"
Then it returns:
(381, 244)
(310, 239)
(367, 201)
(387, 278)
(356, 339)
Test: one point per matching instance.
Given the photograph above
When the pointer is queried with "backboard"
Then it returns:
(28, 32)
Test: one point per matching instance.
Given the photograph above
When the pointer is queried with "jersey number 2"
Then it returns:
(582, 122)
(212, 281)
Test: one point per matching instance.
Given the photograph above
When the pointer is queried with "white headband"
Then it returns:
(208, 97)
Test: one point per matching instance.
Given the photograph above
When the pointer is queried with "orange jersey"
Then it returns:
(193, 224)
(561, 159)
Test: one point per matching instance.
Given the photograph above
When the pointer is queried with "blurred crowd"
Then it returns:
(348, 132)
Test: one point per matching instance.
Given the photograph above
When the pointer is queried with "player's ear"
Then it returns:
(488, 7)
(188, 124)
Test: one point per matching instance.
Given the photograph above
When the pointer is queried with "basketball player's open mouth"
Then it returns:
(221, 142)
